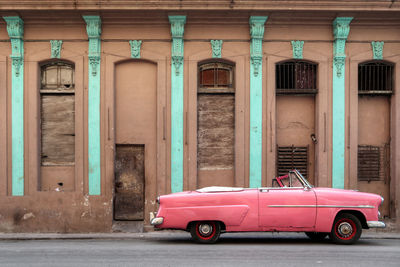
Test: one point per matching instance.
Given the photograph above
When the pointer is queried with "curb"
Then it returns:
(164, 235)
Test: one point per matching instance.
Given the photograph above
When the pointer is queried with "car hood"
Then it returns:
(333, 196)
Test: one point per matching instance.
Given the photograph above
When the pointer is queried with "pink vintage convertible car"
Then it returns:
(290, 205)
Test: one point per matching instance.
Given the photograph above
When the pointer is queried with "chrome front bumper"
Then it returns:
(376, 224)
(157, 221)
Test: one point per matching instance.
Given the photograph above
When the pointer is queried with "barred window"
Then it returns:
(296, 77)
(375, 77)
(57, 108)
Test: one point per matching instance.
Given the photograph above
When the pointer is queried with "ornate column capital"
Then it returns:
(341, 29)
(93, 26)
(177, 31)
(297, 47)
(216, 46)
(15, 27)
(377, 49)
(257, 34)
(257, 26)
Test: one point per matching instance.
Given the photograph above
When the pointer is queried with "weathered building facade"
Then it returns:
(106, 104)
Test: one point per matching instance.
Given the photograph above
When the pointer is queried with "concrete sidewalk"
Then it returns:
(367, 234)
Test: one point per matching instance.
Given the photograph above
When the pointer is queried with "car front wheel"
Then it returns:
(346, 229)
(205, 232)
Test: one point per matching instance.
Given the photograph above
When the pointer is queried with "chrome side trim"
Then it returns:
(376, 224)
(157, 221)
(321, 206)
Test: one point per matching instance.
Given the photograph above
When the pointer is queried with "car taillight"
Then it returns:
(158, 200)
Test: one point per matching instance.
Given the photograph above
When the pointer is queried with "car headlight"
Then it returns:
(158, 200)
(382, 200)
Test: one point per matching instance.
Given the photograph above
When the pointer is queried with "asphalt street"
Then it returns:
(252, 249)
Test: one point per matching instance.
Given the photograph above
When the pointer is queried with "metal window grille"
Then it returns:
(369, 163)
(296, 77)
(375, 77)
(292, 157)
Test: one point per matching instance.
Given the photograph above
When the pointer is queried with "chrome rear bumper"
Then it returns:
(376, 224)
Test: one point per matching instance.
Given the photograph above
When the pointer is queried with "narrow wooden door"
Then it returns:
(129, 182)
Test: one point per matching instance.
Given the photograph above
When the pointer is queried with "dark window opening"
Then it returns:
(296, 77)
(375, 77)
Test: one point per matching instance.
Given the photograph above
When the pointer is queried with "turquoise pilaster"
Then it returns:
(15, 29)
(256, 54)
(93, 28)
(177, 30)
(341, 30)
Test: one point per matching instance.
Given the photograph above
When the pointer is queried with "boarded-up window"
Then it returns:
(375, 78)
(57, 106)
(215, 117)
(296, 77)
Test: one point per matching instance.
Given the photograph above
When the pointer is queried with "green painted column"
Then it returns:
(15, 29)
(93, 28)
(341, 30)
(177, 30)
(256, 54)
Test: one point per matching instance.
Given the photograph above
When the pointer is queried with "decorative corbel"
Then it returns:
(216, 46)
(377, 49)
(135, 48)
(297, 47)
(56, 48)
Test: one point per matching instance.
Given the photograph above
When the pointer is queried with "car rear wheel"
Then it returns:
(316, 236)
(205, 232)
(346, 229)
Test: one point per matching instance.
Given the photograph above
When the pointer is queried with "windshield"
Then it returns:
(292, 179)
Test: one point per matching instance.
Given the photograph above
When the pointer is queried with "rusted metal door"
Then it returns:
(295, 134)
(129, 182)
(374, 148)
(135, 138)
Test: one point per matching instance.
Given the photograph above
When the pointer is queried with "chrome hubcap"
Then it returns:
(345, 229)
(205, 229)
